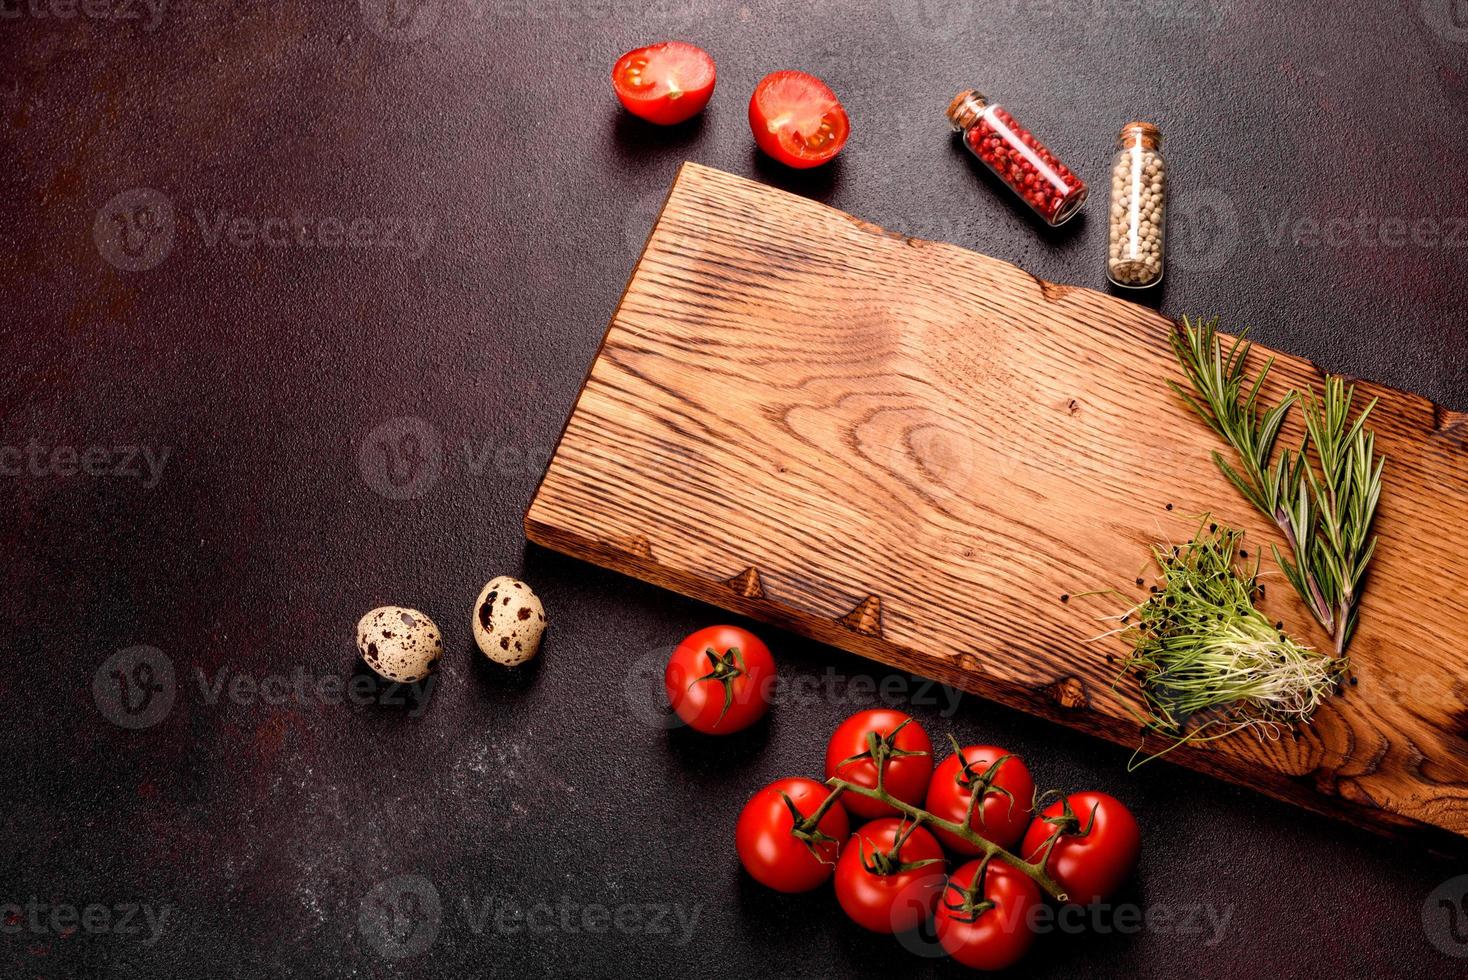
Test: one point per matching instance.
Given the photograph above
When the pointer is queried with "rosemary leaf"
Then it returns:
(1325, 517)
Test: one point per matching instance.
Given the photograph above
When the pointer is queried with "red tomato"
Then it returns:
(774, 851)
(797, 119)
(1097, 849)
(718, 679)
(987, 938)
(665, 83)
(907, 755)
(1007, 792)
(885, 891)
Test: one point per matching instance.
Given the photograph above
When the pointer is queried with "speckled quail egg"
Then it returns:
(402, 645)
(508, 621)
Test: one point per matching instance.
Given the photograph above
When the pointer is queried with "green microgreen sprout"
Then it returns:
(1208, 662)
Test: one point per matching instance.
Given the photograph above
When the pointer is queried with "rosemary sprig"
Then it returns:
(1325, 518)
(1209, 663)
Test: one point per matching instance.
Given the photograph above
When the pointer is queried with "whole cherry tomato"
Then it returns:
(1006, 791)
(718, 679)
(797, 119)
(889, 875)
(781, 855)
(988, 923)
(665, 83)
(1098, 846)
(905, 751)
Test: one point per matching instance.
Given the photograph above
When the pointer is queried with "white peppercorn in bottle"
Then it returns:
(1138, 208)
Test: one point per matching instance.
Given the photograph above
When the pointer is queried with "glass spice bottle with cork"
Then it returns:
(1138, 208)
(1016, 157)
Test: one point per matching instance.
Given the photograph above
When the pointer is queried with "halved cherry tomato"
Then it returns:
(665, 83)
(1098, 846)
(987, 938)
(772, 850)
(907, 758)
(1004, 810)
(887, 886)
(718, 680)
(797, 119)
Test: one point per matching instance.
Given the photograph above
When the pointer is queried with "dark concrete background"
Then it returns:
(272, 374)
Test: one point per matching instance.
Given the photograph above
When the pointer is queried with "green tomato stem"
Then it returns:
(992, 850)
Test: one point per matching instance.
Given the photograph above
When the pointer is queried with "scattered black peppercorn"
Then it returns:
(1141, 581)
(1353, 682)
(1169, 506)
(1065, 597)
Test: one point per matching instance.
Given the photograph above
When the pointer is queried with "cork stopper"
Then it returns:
(1137, 132)
(965, 109)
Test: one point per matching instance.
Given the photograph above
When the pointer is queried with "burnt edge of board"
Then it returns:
(1044, 700)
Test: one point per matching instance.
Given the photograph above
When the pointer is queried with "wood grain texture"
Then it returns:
(919, 454)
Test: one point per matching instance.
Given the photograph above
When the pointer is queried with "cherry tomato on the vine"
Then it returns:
(797, 119)
(906, 753)
(774, 851)
(1004, 810)
(665, 83)
(718, 679)
(887, 890)
(1098, 846)
(987, 938)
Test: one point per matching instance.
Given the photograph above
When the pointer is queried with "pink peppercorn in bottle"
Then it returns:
(1017, 158)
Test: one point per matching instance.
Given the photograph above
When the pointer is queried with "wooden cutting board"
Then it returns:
(916, 453)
